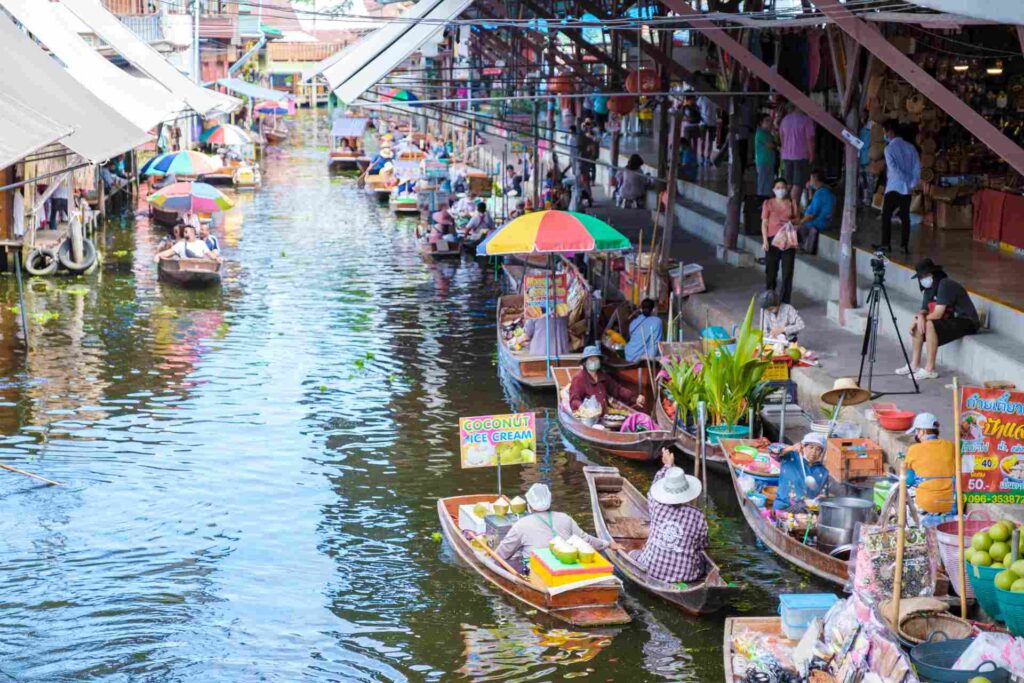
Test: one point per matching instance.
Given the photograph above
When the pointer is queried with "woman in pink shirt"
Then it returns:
(775, 213)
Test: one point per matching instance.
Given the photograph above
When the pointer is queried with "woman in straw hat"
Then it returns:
(678, 536)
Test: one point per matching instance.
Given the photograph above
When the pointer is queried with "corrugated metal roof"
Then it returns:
(24, 130)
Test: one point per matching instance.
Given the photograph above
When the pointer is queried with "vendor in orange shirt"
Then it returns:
(933, 463)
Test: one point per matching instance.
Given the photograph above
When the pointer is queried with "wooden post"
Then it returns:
(663, 137)
(901, 537)
(847, 256)
(537, 178)
(671, 192)
(959, 489)
(733, 209)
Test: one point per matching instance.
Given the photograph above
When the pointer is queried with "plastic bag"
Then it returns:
(786, 238)
(590, 407)
(1001, 649)
(873, 563)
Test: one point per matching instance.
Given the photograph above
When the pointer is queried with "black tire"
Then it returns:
(88, 259)
(41, 261)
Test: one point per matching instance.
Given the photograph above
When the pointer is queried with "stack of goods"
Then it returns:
(568, 562)
(759, 656)
(996, 573)
(873, 563)
(512, 332)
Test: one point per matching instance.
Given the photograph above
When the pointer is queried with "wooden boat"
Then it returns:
(631, 445)
(275, 135)
(688, 442)
(347, 161)
(736, 625)
(404, 204)
(247, 177)
(789, 548)
(526, 369)
(440, 251)
(190, 272)
(589, 606)
(163, 217)
(627, 523)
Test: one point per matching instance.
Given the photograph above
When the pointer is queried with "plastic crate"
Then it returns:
(798, 610)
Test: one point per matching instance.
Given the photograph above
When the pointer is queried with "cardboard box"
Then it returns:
(848, 458)
(954, 216)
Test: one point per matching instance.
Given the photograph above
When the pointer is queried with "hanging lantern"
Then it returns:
(560, 84)
(642, 81)
(621, 104)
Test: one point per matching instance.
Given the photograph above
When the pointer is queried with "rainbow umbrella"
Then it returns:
(186, 163)
(399, 96)
(270, 107)
(198, 197)
(552, 232)
(225, 134)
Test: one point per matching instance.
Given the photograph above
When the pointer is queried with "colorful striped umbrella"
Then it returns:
(552, 232)
(271, 107)
(399, 96)
(225, 134)
(198, 197)
(186, 163)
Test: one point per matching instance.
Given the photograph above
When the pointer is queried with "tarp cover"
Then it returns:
(349, 126)
(24, 130)
(252, 90)
(148, 60)
(142, 101)
(31, 76)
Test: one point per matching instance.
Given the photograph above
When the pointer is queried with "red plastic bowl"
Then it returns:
(895, 420)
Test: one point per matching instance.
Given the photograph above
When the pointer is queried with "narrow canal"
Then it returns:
(251, 474)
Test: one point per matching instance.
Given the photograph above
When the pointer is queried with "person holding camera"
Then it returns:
(947, 314)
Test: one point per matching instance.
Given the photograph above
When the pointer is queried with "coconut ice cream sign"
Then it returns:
(490, 440)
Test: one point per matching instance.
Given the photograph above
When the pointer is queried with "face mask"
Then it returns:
(779, 194)
(926, 282)
(594, 364)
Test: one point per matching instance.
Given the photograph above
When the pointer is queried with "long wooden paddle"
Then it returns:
(496, 557)
(29, 474)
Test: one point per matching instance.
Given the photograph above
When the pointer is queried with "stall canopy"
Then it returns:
(29, 75)
(149, 61)
(349, 126)
(141, 100)
(252, 90)
(357, 68)
(24, 130)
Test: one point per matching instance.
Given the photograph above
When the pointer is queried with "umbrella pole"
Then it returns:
(547, 318)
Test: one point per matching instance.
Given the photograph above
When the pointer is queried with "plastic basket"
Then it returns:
(983, 582)
(727, 432)
(934, 660)
(799, 609)
(949, 546)
(1011, 609)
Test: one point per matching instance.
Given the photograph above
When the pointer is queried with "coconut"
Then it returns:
(518, 505)
(500, 507)
(585, 552)
(481, 510)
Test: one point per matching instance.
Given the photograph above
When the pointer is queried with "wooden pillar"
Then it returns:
(847, 257)
(616, 139)
(538, 179)
(672, 190)
(734, 208)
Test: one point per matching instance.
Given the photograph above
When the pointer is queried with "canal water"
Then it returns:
(250, 474)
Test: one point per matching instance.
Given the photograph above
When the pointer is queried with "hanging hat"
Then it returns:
(539, 497)
(591, 351)
(847, 386)
(675, 488)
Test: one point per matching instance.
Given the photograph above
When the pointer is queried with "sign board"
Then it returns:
(992, 445)
(853, 139)
(538, 287)
(493, 440)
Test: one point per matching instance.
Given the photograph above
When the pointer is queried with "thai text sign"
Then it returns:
(992, 445)
(538, 289)
(510, 438)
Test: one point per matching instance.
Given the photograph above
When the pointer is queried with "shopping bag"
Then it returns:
(786, 238)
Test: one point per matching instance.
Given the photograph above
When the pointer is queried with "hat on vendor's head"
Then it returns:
(675, 488)
(815, 439)
(591, 351)
(386, 153)
(923, 421)
(539, 497)
(847, 388)
(925, 267)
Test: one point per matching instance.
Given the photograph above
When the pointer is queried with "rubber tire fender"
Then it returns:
(88, 259)
(38, 253)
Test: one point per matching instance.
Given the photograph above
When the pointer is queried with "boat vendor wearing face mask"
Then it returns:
(933, 464)
(595, 382)
(795, 477)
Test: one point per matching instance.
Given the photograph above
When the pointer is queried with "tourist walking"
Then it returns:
(778, 214)
(797, 133)
(902, 173)
(766, 156)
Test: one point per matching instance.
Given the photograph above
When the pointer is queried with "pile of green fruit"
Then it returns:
(992, 548)
(516, 452)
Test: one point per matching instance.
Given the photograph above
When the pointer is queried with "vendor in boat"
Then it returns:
(932, 462)
(779, 321)
(645, 331)
(678, 535)
(479, 225)
(795, 476)
(535, 530)
(599, 384)
(466, 204)
(540, 330)
(189, 247)
(379, 160)
(442, 226)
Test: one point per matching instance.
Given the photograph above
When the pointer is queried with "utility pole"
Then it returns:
(195, 42)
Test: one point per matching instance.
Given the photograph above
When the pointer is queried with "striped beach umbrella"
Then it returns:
(553, 232)
(399, 96)
(198, 197)
(278, 108)
(225, 134)
(187, 163)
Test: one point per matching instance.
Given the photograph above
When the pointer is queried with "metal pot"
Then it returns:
(857, 487)
(832, 537)
(845, 512)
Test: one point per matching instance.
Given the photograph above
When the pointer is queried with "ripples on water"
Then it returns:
(251, 473)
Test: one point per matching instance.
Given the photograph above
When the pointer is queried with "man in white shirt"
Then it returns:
(18, 212)
(466, 204)
(58, 204)
(190, 247)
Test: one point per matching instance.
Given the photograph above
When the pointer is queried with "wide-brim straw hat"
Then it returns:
(675, 488)
(845, 386)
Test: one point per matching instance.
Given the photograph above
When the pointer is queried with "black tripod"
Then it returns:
(867, 351)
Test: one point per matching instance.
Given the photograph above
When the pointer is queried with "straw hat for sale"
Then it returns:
(845, 386)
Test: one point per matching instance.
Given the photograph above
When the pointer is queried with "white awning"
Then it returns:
(29, 75)
(349, 126)
(142, 101)
(24, 130)
(340, 66)
(149, 61)
(393, 54)
(255, 91)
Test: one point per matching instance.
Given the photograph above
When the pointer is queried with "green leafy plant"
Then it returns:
(733, 381)
(685, 387)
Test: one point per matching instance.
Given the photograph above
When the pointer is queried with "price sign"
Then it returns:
(538, 288)
(992, 445)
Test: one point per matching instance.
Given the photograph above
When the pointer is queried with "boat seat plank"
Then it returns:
(628, 528)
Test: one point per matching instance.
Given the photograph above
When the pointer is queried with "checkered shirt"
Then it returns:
(678, 537)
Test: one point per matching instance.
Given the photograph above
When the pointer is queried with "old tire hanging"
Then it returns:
(88, 257)
(41, 261)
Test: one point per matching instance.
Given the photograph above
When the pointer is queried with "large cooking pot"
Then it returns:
(845, 512)
(832, 537)
(857, 487)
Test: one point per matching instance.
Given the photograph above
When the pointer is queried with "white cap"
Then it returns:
(815, 438)
(924, 421)
(539, 497)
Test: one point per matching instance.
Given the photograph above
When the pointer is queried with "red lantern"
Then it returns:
(560, 85)
(621, 104)
(642, 81)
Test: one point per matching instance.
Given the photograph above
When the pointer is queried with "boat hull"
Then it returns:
(689, 443)
(529, 371)
(190, 272)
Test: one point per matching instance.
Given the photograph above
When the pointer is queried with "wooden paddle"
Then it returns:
(29, 474)
(496, 557)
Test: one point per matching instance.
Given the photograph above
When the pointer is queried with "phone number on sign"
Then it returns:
(996, 498)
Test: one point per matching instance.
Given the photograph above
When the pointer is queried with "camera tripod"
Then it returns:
(870, 343)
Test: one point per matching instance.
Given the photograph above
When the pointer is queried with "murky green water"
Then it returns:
(251, 474)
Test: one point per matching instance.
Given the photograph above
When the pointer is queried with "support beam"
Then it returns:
(870, 37)
(576, 36)
(762, 71)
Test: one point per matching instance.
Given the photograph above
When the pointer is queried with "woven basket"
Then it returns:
(916, 627)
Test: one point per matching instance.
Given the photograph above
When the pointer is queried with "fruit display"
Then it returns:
(516, 452)
(500, 507)
(992, 547)
(585, 552)
(563, 550)
(518, 505)
(613, 340)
